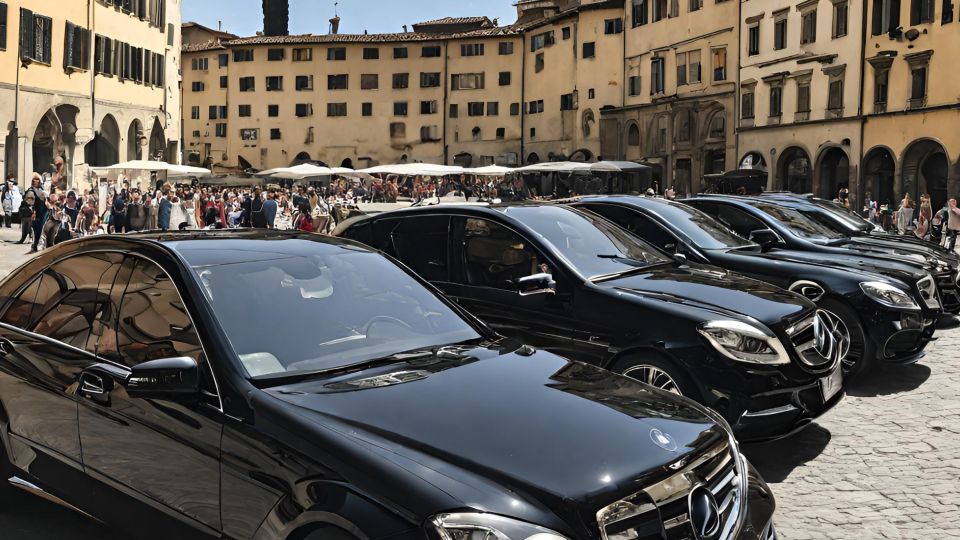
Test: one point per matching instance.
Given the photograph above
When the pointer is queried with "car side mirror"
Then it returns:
(680, 258)
(166, 378)
(766, 238)
(536, 284)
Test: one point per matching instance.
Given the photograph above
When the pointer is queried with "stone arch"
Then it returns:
(347, 163)
(532, 158)
(658, 134)
(715, 125)
(832, 171)
(135, 140)
(633, 134)
(581, 155)
(879, 174)
(794, 172)
(55, 135)
(158, 143)
(104, 149)
(586, 123)
(683, 126)
(925, 168)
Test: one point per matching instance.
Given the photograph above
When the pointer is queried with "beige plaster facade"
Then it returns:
(67, 94)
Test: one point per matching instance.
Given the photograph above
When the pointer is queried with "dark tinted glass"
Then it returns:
(324, 310)
(421, 243)
(494, 256)
(638, 224)
(797, 222)
(739, 221)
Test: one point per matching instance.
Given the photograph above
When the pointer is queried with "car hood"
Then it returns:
(909, 273)
(535, 424)
(716, 290)
(878, 246)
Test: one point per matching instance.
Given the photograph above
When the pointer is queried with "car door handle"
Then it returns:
(95, 387)
(6, 347)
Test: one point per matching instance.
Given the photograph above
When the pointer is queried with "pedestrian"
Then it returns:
(905, 214)
(88, 222)
(54, 219)
(953, 224)
(165, 207)
(118, 213)
(71, 208)
(10, 200)
(257, 218)
(269, 209)
(39, 209)
(138, 215)
(26, 216)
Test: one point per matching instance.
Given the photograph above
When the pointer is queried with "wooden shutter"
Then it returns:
(3, 26)
(27, 35)
(68, 49)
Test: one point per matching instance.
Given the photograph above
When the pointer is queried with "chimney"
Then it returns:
(276, 17)
(335, 24)
(404, 29)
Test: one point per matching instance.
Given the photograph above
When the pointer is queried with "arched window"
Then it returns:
(683, 126)
(587, 122)
(476, 133)
(633, 135)
(718, 126)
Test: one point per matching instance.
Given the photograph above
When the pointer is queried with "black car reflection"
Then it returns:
(576, 284)
(285, 386)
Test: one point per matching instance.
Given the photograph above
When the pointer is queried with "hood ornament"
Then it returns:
(663, 440)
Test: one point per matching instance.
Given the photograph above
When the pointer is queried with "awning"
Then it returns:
(171, 169)
(415, 169)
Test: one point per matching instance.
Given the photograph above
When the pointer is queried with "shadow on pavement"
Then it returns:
(27, 517)
(776, 460)
(887, 380)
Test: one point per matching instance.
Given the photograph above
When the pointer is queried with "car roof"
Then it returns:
(639, 201)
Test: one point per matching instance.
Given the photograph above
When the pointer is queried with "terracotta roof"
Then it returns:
(454, 20)
(373, 38)
(218, 33)
(211, 45)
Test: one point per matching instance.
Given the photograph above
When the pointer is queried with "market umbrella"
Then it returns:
(490, 170)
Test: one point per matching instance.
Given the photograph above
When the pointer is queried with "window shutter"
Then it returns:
(3, 26)
(47, 35)
(27, 36)
(68, 46)
(85, 40)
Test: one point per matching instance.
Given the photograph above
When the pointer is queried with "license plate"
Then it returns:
(831, 385)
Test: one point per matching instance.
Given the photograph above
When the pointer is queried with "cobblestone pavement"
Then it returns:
(885, 463)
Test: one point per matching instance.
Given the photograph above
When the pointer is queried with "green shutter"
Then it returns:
(27, 43)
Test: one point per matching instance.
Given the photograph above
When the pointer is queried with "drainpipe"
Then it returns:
(446, 99)
(16, 123)
(523, 98)
(737, 97)
(93, 77)
(861, 192)
(621, 148)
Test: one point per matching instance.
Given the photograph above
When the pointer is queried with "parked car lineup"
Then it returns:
(530, 371)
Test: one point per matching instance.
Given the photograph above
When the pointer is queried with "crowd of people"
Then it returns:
(921, 219)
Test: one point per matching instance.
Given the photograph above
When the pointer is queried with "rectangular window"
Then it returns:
(249, 134)
(835, 95)
(921, 11)
(371, 53)
(803, 98)
(468, 81)
(400, 52)
(808, 27)
(369, 81)
(223, 60)
(400, 108)
(567, 103)
(275, 134)
(776, 101)
(197, 86)
(273, 111)
(223, 112)
(224, 81)
(454, 110)
(535, 107)
(539, 63)
(248, 84)
(302, 55)
(695, 5)
(243, 55)
(475, 108)
(401, 81)
(430, 51)
(195, 113)
(501, 134)
(471, 49)
(429, 80)
(614, 26)
(337, 82)
(76, 48)
(746, 105)
(303, 82)
(244, 111)
(681, 69)
(918, 83)
(493, 108)
(275, 55)
(429, 133)
(36, 37)
(505, 48)
(886, 16)
(634, 85)
(719, 64)
(366, 109)
(841, 16)
(693, 58)
(428, 107)
(398, 130)
(656, 75)
(753, 40)
(881, 87)
(338, 109)
(221, 130)
(659, 10)
(589, 49)
(336, 53)
(304, 110)
(274, 84)
(540, 41)
(780, 33)
(196, 64)
(946, 12)
(565, 33)
(641, 12)
(505, 78)
(514, 109)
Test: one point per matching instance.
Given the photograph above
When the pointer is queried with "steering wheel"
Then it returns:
(385, 319)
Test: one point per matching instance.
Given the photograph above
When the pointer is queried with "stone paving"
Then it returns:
(885, 463)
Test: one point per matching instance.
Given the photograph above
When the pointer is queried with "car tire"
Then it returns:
(654, 370)
(862, 350)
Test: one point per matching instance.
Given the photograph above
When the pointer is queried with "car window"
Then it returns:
(153, 322)
(24, 307)
(422, 244)
(797, 222)
(739, 221)
(495, 256)
(326, 308)
(638, 224)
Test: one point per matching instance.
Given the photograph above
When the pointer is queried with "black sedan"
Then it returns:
(578, 285)
(280, 386)
(850, 295)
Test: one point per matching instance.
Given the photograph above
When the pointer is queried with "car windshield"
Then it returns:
(594, 247)
(329, 310)
(799, 223)
(846, 217)
(704, 231)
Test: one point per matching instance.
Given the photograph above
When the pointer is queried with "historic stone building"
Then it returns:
(94, 82)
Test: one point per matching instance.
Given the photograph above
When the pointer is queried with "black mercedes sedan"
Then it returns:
(851, 295)
(261, 385)
(578, 285)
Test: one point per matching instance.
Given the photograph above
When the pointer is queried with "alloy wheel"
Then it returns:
(655, 377)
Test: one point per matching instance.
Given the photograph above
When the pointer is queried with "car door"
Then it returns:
(47, 339)
(639, 224)
(163, 453)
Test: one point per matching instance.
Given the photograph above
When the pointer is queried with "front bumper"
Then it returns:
(900, 337)
(760, 509)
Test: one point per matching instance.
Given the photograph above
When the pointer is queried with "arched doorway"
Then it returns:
(833, 172)
(794, 171)
(135, 140)
(104, 149)
(714, 161)
(302, 157)
(581, 155)
(753, 160)
(56, 136)
(925, 168)
(879, 169)
(533, 158)
(158, 144)
(347, 163)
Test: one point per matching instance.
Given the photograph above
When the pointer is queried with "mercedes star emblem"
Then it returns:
(831, 337)
(704, 513)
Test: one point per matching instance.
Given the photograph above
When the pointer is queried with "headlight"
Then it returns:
(475, 526)
(888, 295)
(744, 342)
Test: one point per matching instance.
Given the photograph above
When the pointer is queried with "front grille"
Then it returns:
(928, 292)
(662, 510)
(949, 286)
(803, 337)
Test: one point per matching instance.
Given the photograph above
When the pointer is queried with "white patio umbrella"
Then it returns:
(490, 170)
(414, 169)
(555, 166)
(155, 166)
